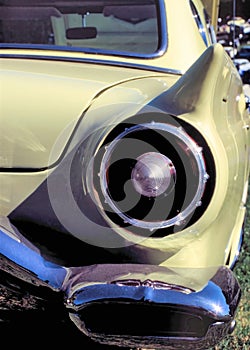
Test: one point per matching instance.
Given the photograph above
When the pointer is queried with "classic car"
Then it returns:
(124, 169)
(244, 51)
(243, 66)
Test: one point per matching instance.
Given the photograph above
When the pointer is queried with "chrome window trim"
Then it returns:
(202, 29)
(210, 28)
(94, 61)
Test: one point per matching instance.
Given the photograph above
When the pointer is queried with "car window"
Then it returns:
(118, 26)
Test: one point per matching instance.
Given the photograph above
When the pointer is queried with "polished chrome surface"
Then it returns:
(91, 291)
(152, 174)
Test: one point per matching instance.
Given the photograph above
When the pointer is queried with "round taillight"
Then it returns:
(152, 176)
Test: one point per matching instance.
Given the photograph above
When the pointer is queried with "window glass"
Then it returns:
(124, 26)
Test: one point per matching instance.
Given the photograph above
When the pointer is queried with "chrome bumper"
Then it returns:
(131, 305)
(152, 314)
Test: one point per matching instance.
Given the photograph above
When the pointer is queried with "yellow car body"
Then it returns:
(124, 163)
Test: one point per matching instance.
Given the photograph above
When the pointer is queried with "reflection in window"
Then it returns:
(98, 25)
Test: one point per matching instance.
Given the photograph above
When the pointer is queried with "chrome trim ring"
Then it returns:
(190, 155)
